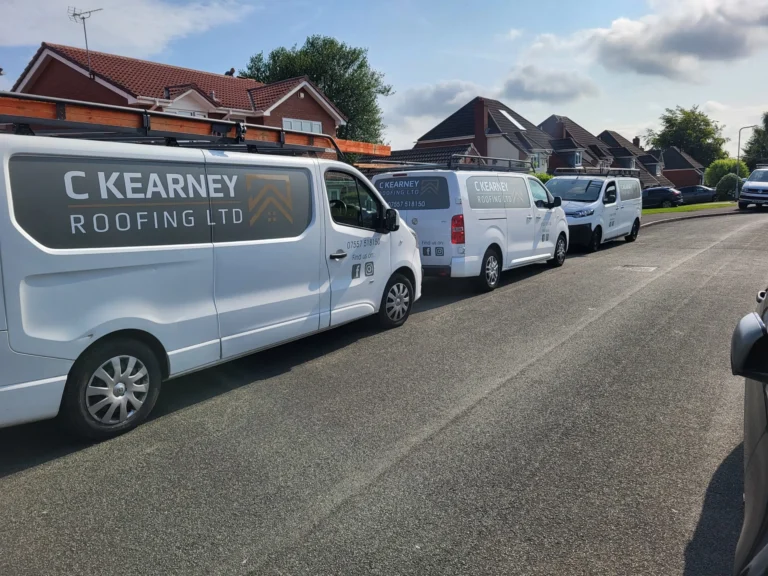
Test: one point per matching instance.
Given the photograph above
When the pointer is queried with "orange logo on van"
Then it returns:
(270, 190)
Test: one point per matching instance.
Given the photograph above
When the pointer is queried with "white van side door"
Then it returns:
(267, 239)
(611, 210)
(545, 236)
(357, 248)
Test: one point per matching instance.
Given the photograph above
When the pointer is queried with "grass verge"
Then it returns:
(690, 208)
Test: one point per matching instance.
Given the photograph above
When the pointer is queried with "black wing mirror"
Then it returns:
(391, 220)
(557, 202)
(749, 348)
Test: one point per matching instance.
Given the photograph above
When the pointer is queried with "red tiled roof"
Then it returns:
(265, 96)
(143, 78)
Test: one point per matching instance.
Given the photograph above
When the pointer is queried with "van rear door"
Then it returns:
(424, 203)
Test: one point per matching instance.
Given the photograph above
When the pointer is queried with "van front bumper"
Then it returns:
(579, 234)
(30, 386)
(753, 198)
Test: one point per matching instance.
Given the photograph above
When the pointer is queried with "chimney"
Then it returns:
(636, 141)
(560, 130)
(481, 126)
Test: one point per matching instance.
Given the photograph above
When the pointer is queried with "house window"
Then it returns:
(302, 125)
(577, 159)
(535, 161)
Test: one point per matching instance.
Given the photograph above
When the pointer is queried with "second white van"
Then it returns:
(474, 223)
(601, 205)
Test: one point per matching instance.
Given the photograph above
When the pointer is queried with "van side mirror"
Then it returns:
(557, 202)
(391, 220)
(749, 348)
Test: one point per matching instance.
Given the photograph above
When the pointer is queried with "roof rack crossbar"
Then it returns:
(58, 117)
(456, 162)
(585, 171)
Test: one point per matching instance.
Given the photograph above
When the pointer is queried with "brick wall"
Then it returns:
(60, 81)
(305, 108)
(683, 177)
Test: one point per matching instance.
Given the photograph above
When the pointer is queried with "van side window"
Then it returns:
(540, 194)
(352, 204)
(610, 193)
(517, 194)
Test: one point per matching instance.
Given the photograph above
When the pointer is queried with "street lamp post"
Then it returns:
(738, 157)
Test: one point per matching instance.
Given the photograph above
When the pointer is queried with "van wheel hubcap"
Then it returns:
(117, 390)
(491, 270)
(560, 250)
(398, 300)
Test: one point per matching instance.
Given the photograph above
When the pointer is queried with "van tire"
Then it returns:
(634, 232)
(743, 205)
(561, 247)
(490, 271)
(396, 302)
(594, 241)
(77, 404)
(666, 204)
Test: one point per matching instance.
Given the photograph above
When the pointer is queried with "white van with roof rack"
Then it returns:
(601, 204)
(477, 219)
(126, 264)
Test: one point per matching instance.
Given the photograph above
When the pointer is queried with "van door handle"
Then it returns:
(338, 255)
(529, 217)
(538, 217)
(761, 296)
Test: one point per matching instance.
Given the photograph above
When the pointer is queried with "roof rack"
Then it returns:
(456, 162)
(28, 114)
(582, 171)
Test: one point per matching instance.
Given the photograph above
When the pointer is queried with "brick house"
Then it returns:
(62, 71)
(573, 145)
(628, 154)
(494, 130)
(679, 167)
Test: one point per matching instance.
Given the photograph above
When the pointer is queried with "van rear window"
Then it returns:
(488, 192)
(415, 193)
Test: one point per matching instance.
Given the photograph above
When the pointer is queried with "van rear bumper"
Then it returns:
(30, 386)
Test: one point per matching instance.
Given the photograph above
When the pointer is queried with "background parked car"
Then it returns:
(698, 194)
(662, 197)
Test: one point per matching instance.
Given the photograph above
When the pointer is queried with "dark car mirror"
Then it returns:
(557, 202)
(749, 348)
(391, 220)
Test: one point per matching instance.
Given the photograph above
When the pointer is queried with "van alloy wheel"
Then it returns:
(560, 250)
(491, 270)
(117, 390)
(398, 301)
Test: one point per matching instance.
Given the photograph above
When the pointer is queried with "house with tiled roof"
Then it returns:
(67, 72)
(681, 168)
(628, 154)
(574, 146)
(494, 130)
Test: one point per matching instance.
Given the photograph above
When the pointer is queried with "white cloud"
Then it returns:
(138, 28)
(734, 117)
(438, 99)
(531, 83)
(674, 41)
(511, 35)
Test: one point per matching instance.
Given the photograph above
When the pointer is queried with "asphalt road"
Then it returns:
(581, 420)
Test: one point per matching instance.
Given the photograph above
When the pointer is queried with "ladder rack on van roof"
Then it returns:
(58, 117)
(457, 162)
(597, 172)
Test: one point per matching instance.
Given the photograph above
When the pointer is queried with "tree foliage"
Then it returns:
(726, 188)
(341, 71)
(692, 131)
(543, 176)
(756, 149)
(720, 168)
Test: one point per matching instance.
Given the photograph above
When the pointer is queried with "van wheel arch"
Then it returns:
(145, 338)
(499, 253)
(408, 273)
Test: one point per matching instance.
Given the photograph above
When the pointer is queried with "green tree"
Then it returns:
(543, 176)
(692, 131)
(756, 149)
(726, 188)
(720, 168)
(341, 71)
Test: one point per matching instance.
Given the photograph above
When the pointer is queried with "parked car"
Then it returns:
(127, 264)
(755, 190)
(662, 197)
(599, 208)
(478, 223)
(749, 358)
(698, 194)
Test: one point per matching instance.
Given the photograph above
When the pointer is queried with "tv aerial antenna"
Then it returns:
(78, 16)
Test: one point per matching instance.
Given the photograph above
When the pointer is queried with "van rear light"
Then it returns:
(457, 229)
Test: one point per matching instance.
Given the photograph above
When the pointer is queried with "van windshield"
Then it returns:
(575, 190)
(759, 176)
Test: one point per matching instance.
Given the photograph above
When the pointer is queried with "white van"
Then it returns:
(125, 264)
(474, 223)
(601, 205)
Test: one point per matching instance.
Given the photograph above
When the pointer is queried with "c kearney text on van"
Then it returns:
(134, 188)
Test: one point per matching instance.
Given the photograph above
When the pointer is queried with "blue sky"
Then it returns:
(606, 64)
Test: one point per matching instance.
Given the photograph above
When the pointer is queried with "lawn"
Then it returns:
(690, 207)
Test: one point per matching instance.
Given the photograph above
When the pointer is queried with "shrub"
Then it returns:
(720, 168)
(543, 176)
(726, 188)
